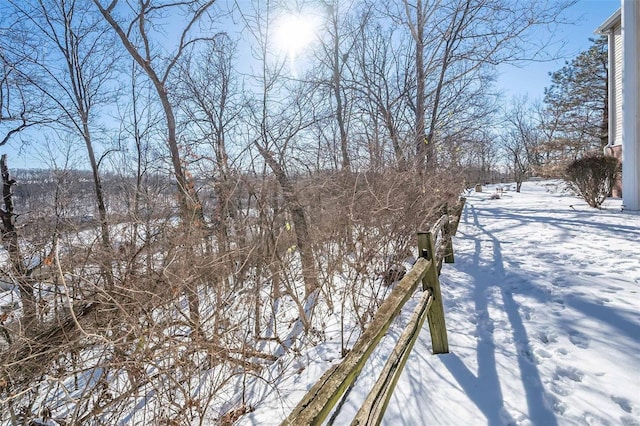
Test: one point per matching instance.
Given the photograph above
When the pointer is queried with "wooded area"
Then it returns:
(210, 200)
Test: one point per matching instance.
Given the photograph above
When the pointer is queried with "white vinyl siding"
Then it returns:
(616, 73)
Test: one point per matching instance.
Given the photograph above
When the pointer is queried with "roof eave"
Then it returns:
(613, 20)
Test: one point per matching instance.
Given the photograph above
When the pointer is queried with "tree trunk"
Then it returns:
(107, 257)
(299, 223)
(423, 144)
(395, 140)
(337, 90)
(190, 207)
(10, 242)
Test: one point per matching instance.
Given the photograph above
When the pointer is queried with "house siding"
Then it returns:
(616, 73)
(631, 105)
(624, 96)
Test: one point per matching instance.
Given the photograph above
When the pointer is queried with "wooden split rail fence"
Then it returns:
(434, 247)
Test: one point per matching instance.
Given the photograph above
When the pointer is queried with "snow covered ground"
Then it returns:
(543, 315)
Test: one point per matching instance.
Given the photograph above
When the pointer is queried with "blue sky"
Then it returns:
(530, 79)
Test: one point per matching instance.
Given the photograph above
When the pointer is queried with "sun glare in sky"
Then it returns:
(294, 33)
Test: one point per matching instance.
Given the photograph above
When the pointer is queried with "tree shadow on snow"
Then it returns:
(484, 389)
(580, 220)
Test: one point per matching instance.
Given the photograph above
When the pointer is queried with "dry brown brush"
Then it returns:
(199, 310)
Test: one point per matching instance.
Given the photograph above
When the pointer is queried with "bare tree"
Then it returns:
(133, 29)
(10, 243)
(134, 35)
(456, 39)
(211, 106)
(20, 106)
(521, 140)
(73, 75)
(210, 101)
(334, 53)
(141, 181)
(281, 110)
(483, 155)
(381, 87)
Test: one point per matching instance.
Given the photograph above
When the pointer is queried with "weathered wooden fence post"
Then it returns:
(457, 214)
(448, 238)
(437, 326)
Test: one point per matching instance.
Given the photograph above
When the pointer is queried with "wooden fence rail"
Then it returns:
(434, 247)
(374, 406)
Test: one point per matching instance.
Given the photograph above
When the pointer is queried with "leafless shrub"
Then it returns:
(190, 315)
(364, 224)
(593, 177)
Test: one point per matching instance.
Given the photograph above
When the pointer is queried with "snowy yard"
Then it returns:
(543, 315)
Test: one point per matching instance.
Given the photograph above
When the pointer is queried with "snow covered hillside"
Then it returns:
(543, 314)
